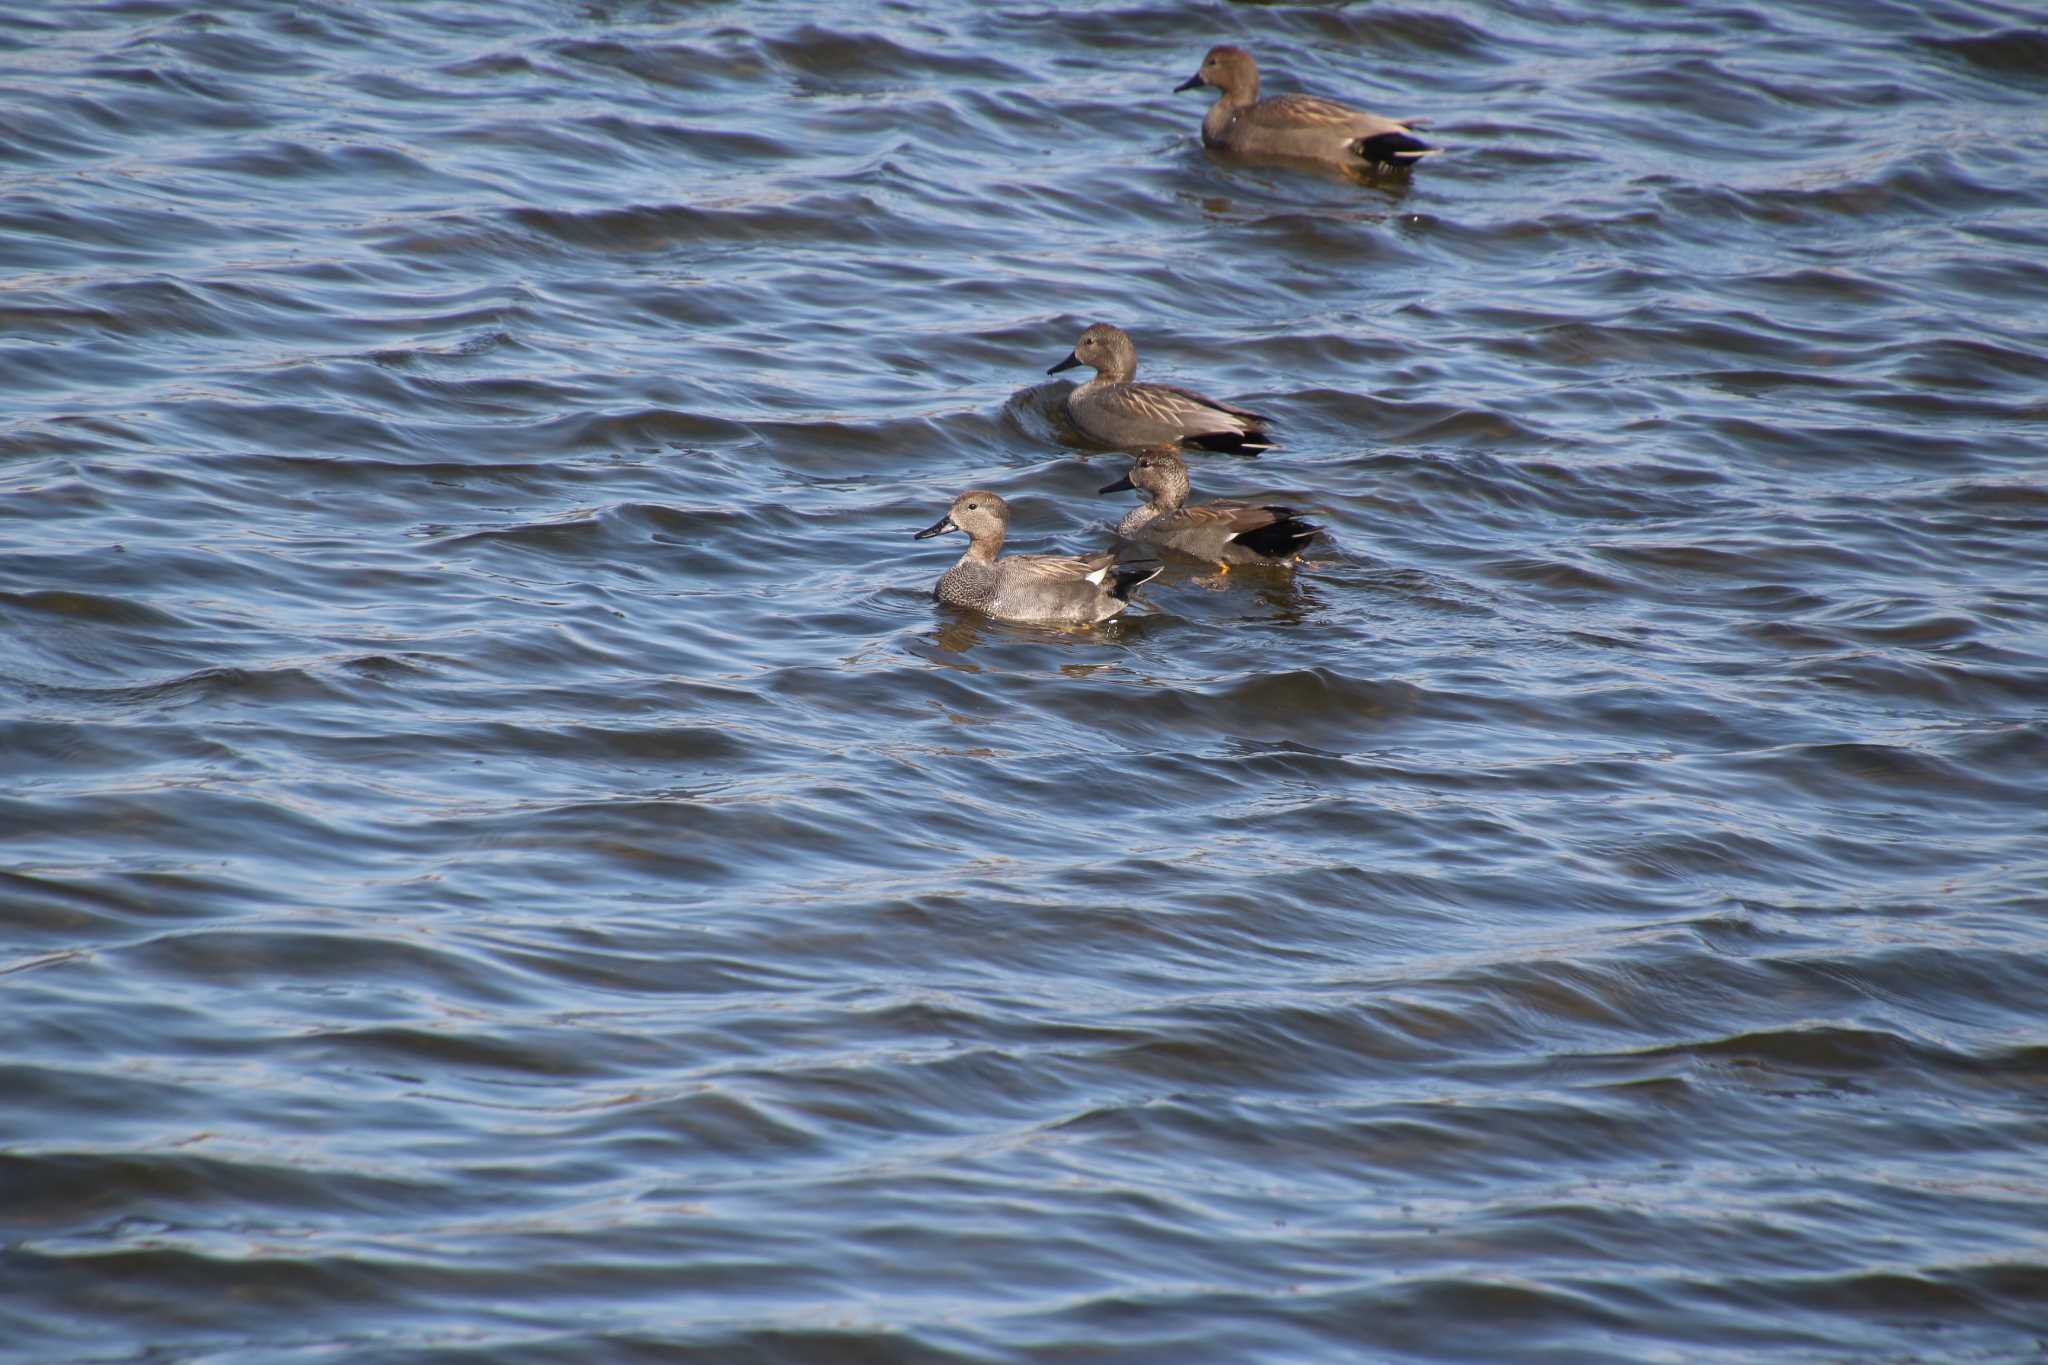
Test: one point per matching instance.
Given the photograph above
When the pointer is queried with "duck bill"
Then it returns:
(1123, 485)
(1069, 363)
(1191, 83)
(937, 528)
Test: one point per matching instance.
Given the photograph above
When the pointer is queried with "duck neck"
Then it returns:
(1151, 507)
(1216, 123)
(1137, 519)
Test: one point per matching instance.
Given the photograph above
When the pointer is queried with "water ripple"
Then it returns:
(506, 861)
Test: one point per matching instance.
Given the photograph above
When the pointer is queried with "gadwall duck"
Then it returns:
(1115, 410)
(1062, 589)
(1223, 533)
(1300, 126)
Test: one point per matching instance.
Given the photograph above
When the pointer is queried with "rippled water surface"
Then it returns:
(505, 861)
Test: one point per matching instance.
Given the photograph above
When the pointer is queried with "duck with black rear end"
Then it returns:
(1055, 589)
(1303, 127)
(1117, 410)
(1224, 533)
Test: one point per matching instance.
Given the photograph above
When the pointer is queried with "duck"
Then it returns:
(1224, 533)
(1304, 127)
(1056, 589)
(1116, 410)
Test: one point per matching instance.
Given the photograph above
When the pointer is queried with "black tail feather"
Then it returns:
(1232, 442)
(1392, 149)
(1283, 539)
(1127, 577)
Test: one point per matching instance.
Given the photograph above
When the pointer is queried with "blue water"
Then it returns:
(502, 859)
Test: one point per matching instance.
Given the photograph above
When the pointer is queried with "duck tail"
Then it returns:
(1283, 538)
(1127, 577)
(1232, 442)
(1393, 149)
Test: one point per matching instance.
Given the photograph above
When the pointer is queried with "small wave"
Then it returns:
(2019, 54)
(91, 607)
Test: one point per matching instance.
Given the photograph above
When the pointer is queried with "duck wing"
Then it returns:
(1187, 400)
(1102, 572)
(1370, 137)
(1062, 568)
(1312, 111)
(1268, 530)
